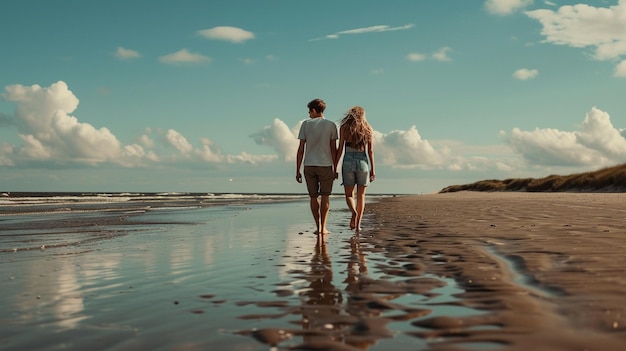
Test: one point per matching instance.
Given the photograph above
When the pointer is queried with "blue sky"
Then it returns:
(207, 96)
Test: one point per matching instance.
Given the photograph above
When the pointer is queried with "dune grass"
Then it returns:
(610, 179)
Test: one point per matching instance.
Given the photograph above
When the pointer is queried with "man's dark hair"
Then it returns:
(318, 105)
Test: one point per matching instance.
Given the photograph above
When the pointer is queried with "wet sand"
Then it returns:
(549, 268)
(457, 271)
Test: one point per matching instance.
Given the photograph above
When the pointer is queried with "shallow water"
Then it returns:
(245, 276)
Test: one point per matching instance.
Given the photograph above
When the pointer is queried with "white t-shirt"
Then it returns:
(317, 132)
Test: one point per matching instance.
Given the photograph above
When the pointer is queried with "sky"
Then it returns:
(208, 96)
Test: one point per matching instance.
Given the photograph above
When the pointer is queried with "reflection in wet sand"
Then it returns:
(357, 296)
(357, 268)
(322, 299)
(340, 319)
(70, 304)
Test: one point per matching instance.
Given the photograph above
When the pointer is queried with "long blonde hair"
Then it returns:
(359, 131)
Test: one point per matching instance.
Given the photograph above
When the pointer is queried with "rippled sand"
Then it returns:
(549, 268)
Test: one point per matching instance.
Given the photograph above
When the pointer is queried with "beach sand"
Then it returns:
(550, 268)
(456, 271)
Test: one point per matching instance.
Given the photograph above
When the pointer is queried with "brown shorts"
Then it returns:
(319, 180)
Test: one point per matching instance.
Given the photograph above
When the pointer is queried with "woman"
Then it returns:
(355, 138)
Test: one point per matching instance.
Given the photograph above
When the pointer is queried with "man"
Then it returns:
(318, 147)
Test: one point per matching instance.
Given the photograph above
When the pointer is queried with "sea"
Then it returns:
(36, 215)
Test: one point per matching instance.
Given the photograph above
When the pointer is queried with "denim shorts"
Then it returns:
(355, 169)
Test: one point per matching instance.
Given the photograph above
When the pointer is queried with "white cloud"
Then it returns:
(177, 141)
(620, 69)
(406, 149)
(34, 149)
(245, 157)
(416, 57)
(598, 143)
(598, 133)
(209, 151)
(133, 151)
(50, 134)
(146, 141)
(125, 54)
(232, 34)
(552, 147)
(184, 56)
(442, 54)
(279, 137)
(372, 29)
(152, 156)
(479, 164)
(581, 25)
(525, 74)
(364, 30)
(506, 7)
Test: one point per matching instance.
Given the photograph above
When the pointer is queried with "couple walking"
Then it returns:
(318, 149)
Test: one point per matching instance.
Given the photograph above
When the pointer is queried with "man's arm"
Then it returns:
(339, 152)
(299, 158)
(333, 152)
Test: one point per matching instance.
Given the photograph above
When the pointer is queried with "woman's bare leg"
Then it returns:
(360, 205)
(349, 191)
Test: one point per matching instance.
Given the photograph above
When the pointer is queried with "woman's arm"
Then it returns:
(370, 154)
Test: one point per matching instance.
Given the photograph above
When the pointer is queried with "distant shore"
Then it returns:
(610, 179)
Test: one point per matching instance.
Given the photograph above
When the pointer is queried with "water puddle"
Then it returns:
(345, 295)
(516, 268)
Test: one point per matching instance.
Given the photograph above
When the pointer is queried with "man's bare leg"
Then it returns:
(324, 208)
(349, 191)
(315, 211)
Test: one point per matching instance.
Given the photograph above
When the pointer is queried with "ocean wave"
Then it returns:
(53, 203)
